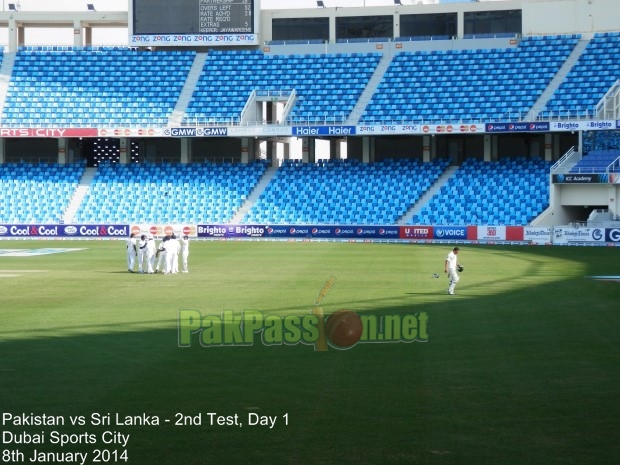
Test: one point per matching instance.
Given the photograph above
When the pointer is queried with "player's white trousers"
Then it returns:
(454, 278)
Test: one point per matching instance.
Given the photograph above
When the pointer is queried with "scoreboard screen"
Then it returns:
(193, 22)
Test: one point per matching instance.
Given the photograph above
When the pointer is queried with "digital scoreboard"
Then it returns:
(193, 22)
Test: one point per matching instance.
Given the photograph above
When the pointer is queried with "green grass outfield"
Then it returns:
(520, 367)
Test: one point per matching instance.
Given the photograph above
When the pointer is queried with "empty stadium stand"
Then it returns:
(104, 86)
(588, 81)
(511, 191)
(170, 193)
(36, 192)
(468, 85)
(598, 161)
(94, 86)
(339, 192)
(327, 85)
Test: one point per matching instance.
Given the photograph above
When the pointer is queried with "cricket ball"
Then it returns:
(344, 328)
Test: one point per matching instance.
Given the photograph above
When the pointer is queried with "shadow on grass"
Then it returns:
(511, 378)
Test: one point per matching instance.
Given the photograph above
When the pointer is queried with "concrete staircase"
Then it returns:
(428, 195)
(254, 195)
(368, 92)
(560, 76)
(79, 194)
(188, 89)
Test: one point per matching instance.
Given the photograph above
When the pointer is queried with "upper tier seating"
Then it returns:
(468, 85)
(36, 193)
(598, 161)
(102, 86)
(327, 86)
(339, 192)
(595, 72)
(168, 193)
(511, 191)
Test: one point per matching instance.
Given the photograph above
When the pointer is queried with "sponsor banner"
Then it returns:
(388, 129)
(378, 232)
(585, 178)
(618, 124)
(161, 230)
(91, 230)
(332, 232)
(517, 127)
(295, 232)
(64, 230)
(416, 232)
(130, 132)
(262, 130)
(514, 233)
(226, 231)
(220, 131)
(450, 232)
(491, 233)
(48, 132)
(452, 128)
(336, 131)
(288, 231)
(586, 125)
(568, 235)
(179, 40)
(537, 235)
(612, 235)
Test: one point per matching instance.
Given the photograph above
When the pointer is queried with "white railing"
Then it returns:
(572, 151)
(609, 106)
(248, 104)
